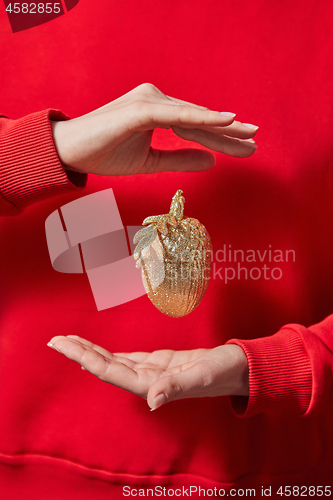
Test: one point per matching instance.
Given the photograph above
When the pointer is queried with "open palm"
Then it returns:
(163, 375)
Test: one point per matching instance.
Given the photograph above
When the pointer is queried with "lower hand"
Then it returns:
(165, 375)
(116, 138)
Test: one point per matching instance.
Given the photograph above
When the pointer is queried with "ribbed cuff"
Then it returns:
(30, 169)
(280, 377)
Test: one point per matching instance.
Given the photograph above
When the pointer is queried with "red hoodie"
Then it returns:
(66, 435)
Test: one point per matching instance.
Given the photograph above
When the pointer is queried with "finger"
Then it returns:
(236, 129)
(181, 160)
(220, 143)
(151, 116)
(108, 355)
(108, 370)
(137, 357)
(188, 383)
(179, 101)
(160, 359)
(91, 345)
(77, 351)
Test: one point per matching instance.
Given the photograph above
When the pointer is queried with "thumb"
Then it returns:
(191, 383)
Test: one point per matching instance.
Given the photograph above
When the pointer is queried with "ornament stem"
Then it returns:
(177, 205)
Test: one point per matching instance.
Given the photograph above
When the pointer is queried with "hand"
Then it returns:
(163, 376)
(116, 138)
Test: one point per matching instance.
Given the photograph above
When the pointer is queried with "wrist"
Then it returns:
(61, 142)
(240, 385)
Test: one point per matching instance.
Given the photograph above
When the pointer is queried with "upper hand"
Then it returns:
(165, 375)
(116, 138)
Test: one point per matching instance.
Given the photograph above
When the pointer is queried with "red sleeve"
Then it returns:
(30, 169)
(290, 371)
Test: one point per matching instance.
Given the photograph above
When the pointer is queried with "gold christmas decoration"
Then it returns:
(174, 255)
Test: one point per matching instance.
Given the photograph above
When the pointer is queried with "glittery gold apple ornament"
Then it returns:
(174, 256)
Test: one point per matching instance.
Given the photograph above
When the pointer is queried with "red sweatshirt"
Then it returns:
(63, 433)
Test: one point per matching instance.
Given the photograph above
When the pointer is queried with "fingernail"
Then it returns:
(52, 346)
(226, 113)
(249, 125)
(82, 368)
(158, 401)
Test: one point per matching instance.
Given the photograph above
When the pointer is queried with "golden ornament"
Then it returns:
(175, 259)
